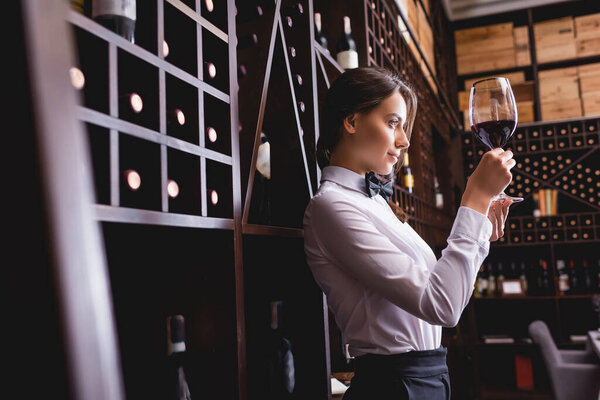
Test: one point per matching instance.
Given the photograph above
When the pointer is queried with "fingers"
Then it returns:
(499, 219)
(507, 155)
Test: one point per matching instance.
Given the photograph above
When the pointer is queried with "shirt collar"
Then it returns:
(344, 177)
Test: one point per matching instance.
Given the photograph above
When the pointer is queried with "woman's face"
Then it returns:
(379, 136)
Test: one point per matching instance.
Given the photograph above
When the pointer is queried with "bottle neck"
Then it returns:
(347, 28)
(318, 22)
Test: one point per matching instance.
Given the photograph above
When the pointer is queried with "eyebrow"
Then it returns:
(396, 115)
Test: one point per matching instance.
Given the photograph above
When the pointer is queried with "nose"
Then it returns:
(401, 140)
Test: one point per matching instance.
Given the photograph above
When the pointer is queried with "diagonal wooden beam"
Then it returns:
(293, 98)
(261, 114)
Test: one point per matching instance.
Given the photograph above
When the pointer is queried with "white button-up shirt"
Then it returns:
(388, 292)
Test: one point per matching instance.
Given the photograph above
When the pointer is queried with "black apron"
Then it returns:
(416, 375)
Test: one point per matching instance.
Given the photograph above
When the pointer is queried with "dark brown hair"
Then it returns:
(360, 90)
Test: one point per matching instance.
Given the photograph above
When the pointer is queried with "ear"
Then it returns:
(350, 123)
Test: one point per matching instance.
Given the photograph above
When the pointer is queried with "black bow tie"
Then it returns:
(375, 186)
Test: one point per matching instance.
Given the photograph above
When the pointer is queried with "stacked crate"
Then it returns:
(587, 35)
(485, 48)
(522, 50)
(589, 81)
(554, 39)
(416, 14)
(566, 38)
(559, 93)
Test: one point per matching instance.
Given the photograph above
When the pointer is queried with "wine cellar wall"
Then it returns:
(201, 119)
(550, 241)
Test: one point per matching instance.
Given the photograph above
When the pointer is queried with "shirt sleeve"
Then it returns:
(351, 241)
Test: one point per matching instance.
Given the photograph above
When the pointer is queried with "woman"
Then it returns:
(389, 294)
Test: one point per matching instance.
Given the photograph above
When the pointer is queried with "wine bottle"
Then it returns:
(172, 188)
(544, 278)
(319, 37)
(133, 179)
(212, 134)
(439, 197)
(214, 197)
(165, 49)
(77, 78)
(242, 71)
(117, 15)
(407, 177)
(210, 69)
(573, 278)
(491, 286)
(261, 197)
(247, 41)
(563, 277)
(78, 5)
(247, 12)
(176, 117)
(523, 279)
(295, 11)
(586, 277)
(500, 277)
(482, 283)
(281, 369)
(346, 54)
(132, 103)
(176, 351)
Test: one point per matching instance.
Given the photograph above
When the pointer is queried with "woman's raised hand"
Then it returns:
(491, 177)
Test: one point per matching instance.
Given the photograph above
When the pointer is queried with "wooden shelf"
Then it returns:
(264, 230)
(99, 31)
(107, 213)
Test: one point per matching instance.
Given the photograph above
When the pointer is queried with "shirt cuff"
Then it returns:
(472, 224)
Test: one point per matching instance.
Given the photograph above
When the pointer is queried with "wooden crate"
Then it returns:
(486, 61)
(483, 32)
(408, 9)
(485, 48)
(426, 39)
(522, 50)
(589, 78)
(550, 31)
(559, 83)
(513, 77)
(591, 103)
(523, 91)
(587, 47)
(555, 39)
(587, 26)
(561, 109)
(463, 100)
(526, 112)
(492, 43)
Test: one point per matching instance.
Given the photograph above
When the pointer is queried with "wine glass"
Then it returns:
(493, 116)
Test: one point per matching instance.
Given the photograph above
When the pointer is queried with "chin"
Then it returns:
(384, 170)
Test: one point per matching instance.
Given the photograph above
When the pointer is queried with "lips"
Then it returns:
(396, 156)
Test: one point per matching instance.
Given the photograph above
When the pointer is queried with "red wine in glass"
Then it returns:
(494, 134)
(493, 116)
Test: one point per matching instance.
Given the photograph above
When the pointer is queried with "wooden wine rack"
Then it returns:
(563, 157)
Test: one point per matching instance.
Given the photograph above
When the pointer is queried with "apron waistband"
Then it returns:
(420, 363)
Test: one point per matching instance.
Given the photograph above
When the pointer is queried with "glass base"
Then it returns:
(503, 196)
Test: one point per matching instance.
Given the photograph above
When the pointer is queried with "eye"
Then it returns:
(393, 123)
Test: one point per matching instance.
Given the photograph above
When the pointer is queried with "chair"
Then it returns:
(574, 374)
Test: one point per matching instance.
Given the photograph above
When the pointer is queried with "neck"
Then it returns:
(342, 159)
